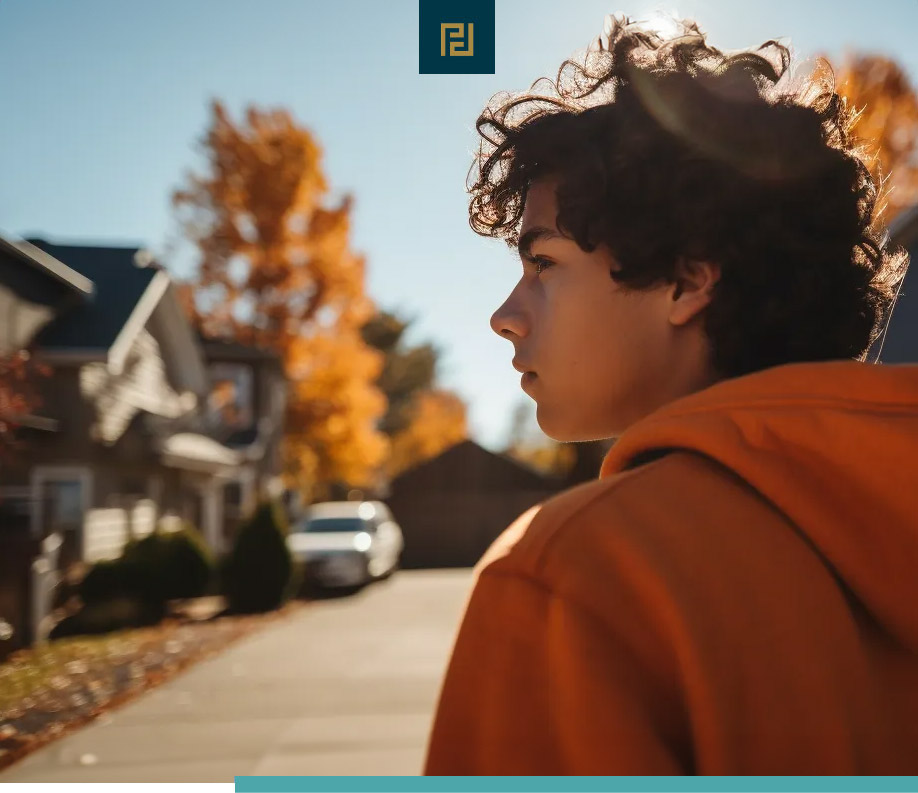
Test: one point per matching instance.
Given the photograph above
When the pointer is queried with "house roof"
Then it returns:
(34, 289)
(120, 286)
(469, 466)
(45, 266)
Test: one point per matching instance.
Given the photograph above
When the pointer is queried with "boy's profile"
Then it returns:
(704, 273)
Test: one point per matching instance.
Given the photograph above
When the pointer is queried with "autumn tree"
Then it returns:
(422, 419)
(436, 421)
(880, 90)
(406, 371)
(275, 270)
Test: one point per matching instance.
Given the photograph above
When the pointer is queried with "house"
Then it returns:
(125, 442)
(134, 429)
(901, 342)
(453, 506)
(131, 430)
(34, 288)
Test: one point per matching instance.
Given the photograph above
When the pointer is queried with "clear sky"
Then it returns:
(104, 101)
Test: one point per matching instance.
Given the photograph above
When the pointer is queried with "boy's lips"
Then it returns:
(521, 367)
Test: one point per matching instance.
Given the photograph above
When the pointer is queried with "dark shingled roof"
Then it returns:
(119, 286)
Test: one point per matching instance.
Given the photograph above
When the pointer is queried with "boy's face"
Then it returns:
(602, 356)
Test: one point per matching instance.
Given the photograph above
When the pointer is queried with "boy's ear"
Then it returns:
(693, 289)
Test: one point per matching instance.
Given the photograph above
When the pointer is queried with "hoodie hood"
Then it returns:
(834, 446)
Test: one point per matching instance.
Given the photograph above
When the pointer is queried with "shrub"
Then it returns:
(188, 565)
(133, 590)
(168, 565)
(160, 567)
(104, 581)
(103, 617)
(258, 573)
(144, 561)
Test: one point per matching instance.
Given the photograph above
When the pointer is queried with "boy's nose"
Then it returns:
(507, 321)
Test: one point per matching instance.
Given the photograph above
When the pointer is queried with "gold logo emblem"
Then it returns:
(456, 38)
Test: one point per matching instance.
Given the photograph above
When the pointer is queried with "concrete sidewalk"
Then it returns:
(346, 686)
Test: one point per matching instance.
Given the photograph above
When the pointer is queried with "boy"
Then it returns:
(703, 275)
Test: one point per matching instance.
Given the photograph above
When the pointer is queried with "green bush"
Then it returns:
(104, 581)
(132, 591)
(188, 564)
(168, 565)
(103, 617)
(159, 567)
(144, 561)
(258, 573)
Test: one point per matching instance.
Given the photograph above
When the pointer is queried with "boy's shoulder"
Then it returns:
(668, 513)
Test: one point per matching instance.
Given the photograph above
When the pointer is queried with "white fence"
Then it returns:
(45, 576)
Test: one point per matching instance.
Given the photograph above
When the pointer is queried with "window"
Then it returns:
(334, 524)
(62, 502)
(61, 497)
(231, 400)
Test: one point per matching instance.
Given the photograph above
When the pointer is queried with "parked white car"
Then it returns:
(346, 543)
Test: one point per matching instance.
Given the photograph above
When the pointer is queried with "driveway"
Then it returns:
(345, 686)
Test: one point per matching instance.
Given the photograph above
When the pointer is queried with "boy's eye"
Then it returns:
(541, 264)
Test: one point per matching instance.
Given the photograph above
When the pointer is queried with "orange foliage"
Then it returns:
(222, 401)
(437, 422)
(18, 396)
(331, 395)
(276, 271)
(888, 104)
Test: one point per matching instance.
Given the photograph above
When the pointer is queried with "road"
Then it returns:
(344, 686)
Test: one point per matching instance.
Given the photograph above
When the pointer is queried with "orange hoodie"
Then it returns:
(736, 594)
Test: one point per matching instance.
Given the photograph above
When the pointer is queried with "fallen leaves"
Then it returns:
(53, 688)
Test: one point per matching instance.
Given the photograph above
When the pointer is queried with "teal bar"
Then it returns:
(573, 784)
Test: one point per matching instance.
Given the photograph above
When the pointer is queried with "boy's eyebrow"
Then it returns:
(535, 233)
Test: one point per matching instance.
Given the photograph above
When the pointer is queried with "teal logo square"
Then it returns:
(456, 37)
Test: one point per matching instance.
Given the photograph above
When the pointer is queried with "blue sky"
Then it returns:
(104, 102)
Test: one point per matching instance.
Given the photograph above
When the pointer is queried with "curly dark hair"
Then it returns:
(667, 148)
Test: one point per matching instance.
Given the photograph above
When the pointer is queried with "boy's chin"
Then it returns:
(558, 431)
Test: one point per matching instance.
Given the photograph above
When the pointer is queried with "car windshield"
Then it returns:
(332, 524)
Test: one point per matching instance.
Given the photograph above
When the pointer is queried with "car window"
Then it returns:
(333, 524)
